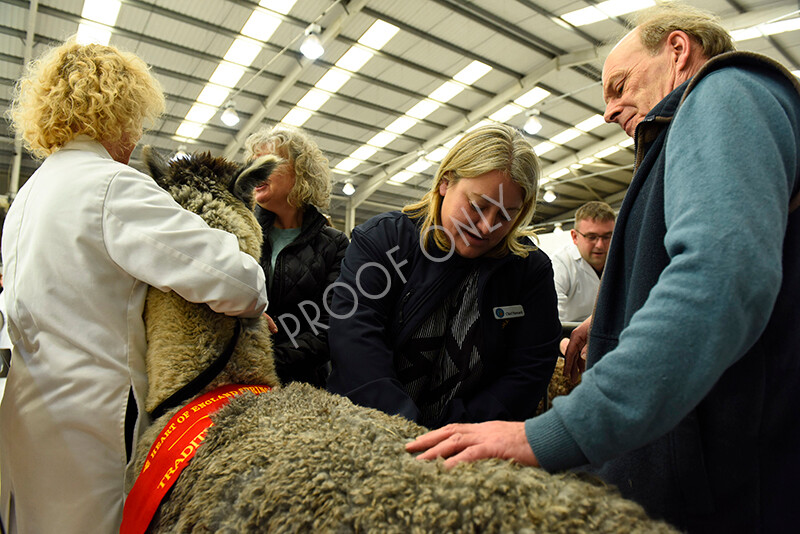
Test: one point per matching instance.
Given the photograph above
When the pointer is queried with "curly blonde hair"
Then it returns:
(312, 184)
(91, 89)
(495, 147)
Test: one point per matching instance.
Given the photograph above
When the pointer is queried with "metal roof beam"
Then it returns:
(587, 152)
(505, 96)
(30, 33)
(351, 9)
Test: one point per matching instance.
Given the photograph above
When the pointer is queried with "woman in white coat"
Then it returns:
(83, 239)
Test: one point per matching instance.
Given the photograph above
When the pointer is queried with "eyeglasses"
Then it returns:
(592, 238)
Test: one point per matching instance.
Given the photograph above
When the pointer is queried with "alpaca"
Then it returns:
(299, 459)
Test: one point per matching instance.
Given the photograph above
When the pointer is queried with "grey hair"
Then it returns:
(657, 22)
(312, 175)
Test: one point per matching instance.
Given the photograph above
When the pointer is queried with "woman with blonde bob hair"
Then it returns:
(444, 312)
(495, 147)
(83, 240)
(302, 253)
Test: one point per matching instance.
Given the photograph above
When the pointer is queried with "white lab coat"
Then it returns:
(82, 241)
(576, 284)
(5, 341)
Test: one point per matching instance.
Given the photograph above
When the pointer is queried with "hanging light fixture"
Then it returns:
(180, 153)
(549, 195)
(557, 229)
(312, 45)
(348, 188)
(533, 125)
(229, 115)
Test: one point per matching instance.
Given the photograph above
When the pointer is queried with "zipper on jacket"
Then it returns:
(402, 305)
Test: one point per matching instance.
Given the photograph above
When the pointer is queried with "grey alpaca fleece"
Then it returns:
(299, 459)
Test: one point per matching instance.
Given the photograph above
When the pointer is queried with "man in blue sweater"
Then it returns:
(689, 403)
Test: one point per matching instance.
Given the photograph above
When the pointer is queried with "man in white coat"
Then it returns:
(578, 266)
(83, 240)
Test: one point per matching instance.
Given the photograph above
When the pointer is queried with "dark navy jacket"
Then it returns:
(385, 260)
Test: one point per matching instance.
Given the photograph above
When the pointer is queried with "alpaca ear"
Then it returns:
(252, 175)
(157, 166)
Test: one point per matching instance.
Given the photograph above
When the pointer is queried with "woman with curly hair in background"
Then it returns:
(83, 240)
(302, 253)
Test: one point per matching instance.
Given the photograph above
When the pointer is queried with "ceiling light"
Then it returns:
(615, 8)
(446, 92)
(505, 113)
(532, 97)
(313, 100)
(348, 188)
(401, 124)
(533, 125)
(348, 164)
(296, 117)
(565, 136)
(746, 33)
(378, 34)
(401, 177)
(422, 109)
(626, 143)
(549, 195)
(364, 152)
(189, 130)
(591, 123)
(261, 25)
(102, 11)
(180, 153)
(201, 113)
(472, 72)
(480, 124)
(603, 10)
(421, 165)
(557, 228)
(312, 46)
(354, 59)
(213, 95)
(243, 51)
(333, 80)
(227, 74)
(229, 115)
(607, 152)
(582, 17)
(281, 6)
(452, 142)
(543, 148)
(89, 32)
(381, 139)
(768, 28)
(437, 154)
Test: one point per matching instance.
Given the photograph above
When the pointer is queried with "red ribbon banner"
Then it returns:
(172, 451)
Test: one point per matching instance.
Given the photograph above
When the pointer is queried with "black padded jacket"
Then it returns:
(303, 270)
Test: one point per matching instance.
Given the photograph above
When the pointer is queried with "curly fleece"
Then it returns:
(299, 459)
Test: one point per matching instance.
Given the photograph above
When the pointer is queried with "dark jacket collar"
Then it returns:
(313, 221)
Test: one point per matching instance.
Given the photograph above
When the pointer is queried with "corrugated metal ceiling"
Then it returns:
(185, 40)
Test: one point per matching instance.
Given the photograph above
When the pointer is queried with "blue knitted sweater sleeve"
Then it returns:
(731, 166)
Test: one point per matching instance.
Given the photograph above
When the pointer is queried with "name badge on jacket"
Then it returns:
(508, 312)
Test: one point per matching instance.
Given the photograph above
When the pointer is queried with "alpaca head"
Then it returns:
(218, 190)
(184, 338)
